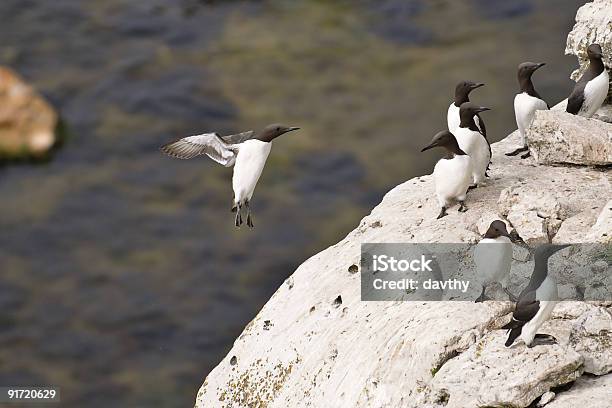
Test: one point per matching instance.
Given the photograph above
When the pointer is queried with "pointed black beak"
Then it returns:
(482, 109)
(478, 85)
(291, 129)
(430, 146)
(540, 65)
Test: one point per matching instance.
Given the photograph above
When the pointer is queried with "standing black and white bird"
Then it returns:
(592, 88)
(462, 95)
(526, 103)
(247, 152)
(493, 257)
(453, 175)
(536, 302)
(473, 142)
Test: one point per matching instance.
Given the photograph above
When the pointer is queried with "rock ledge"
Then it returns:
(556, 137)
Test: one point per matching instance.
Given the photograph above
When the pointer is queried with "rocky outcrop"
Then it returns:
(591, 336)
(600, 231)
(27, 121)
(587, 392)
(316, 344)
(495, 379)
(593, 22)
(535, 214)
(604, 113)
(556, 137)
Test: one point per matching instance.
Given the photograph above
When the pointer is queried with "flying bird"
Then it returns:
(453, 175)
(591, 89)
(526, 103)
(247, 152)
(536, 302)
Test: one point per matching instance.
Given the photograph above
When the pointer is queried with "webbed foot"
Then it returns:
(517, 151)
(543, 340)
(442, 213)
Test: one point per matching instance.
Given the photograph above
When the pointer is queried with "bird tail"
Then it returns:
(514, 333)
(514, 328)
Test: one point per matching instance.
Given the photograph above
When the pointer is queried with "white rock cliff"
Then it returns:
(316, 344)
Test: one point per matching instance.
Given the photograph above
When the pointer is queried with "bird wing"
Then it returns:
(526, 307)
(576, 99)
(238, 137)
(209, 144)
(481, 125)
(525, 310)
(483, 131)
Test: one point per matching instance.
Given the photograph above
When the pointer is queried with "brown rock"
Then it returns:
(27, 121)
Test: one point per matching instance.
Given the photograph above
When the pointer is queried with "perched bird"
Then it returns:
(493, 257)
(592, 88)
(472, 142)
(536, 302)
(462, 94)
(246, 151)
(452, 175)
(526, 103)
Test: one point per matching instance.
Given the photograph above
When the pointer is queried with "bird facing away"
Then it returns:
(591, 89)
(452, 176)
(493, 257)
(536, 302)
(462, 95)
(526, 103)
(247, 152)
(472, 142)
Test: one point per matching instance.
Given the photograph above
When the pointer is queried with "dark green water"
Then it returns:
(122, 279)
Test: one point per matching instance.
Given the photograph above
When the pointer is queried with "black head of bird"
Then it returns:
(545, 251)
(540, 268)
(273, 131)
(444, 139)
(467, 110)
(497, 229)
(463, 89)
(526, 69)
(594, 52)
